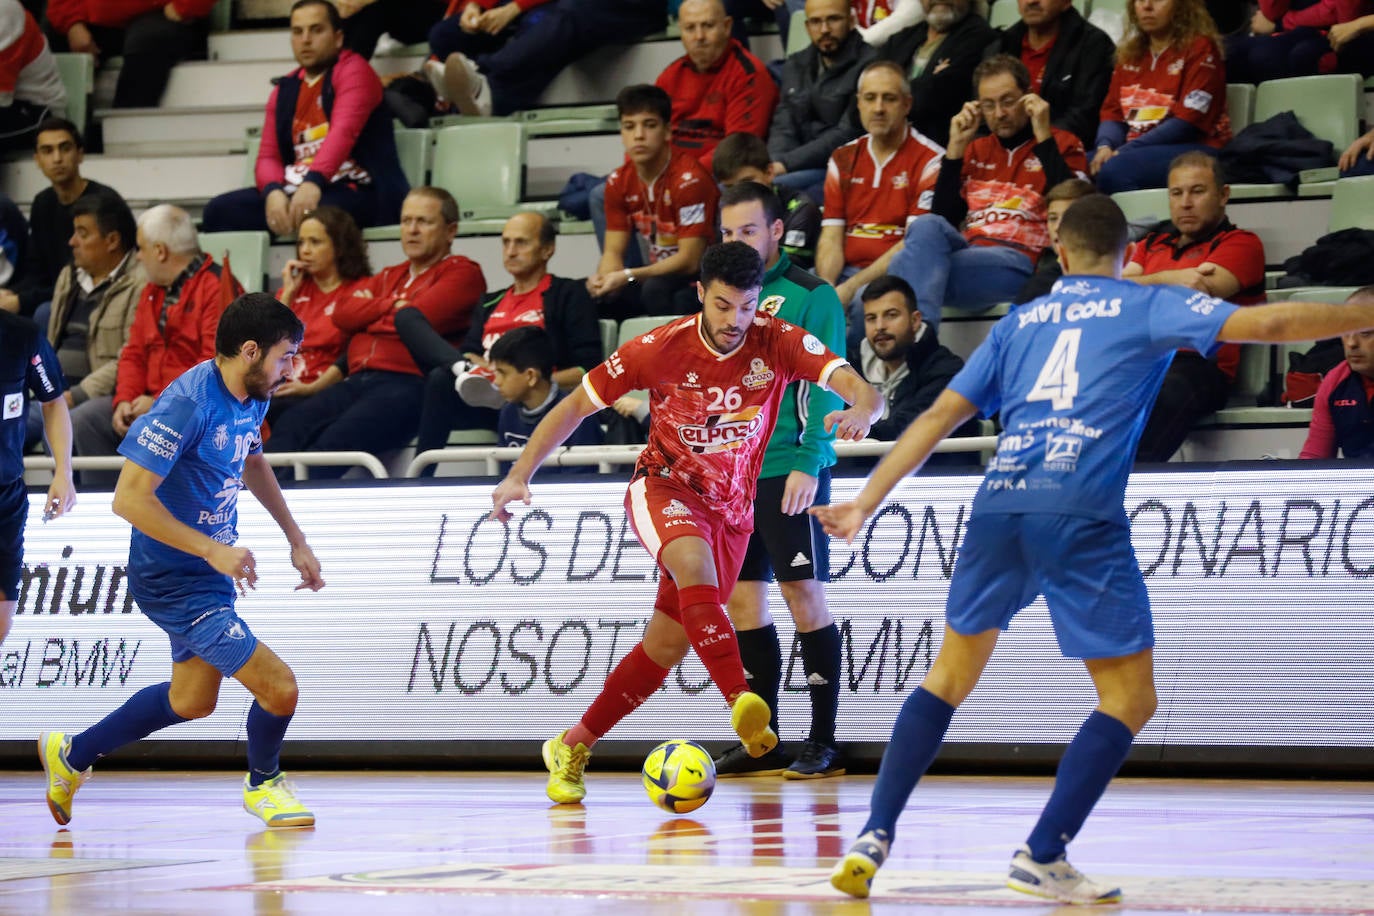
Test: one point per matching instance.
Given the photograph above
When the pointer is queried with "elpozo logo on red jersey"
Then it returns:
(722, 432)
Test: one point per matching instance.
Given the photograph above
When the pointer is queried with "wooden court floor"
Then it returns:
(489, 843)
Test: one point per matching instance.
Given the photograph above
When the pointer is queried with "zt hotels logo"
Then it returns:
(722, 432)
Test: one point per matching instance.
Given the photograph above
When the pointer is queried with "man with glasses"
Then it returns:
(993, 187)
(818, 111)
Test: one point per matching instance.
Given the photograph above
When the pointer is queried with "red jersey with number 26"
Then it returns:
(711, 415)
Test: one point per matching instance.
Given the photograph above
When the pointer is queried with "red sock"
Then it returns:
(713, 637)
(632, 682)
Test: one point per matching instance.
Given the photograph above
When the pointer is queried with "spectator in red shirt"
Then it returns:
(1342, 419)
(1289, 39)
(717, 87)
(173, 330)
(330, 263)
(31, 89)
(377, 408)
(326, 139)
(1168, 95)
(1069, 60)
(661, 198)
(152, 36)
(1198, 248)
(875, 186)
(993, 188)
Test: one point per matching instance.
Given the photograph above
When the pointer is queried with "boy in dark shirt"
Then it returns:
(522, 360)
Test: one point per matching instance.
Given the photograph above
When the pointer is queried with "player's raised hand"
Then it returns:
(507, 492)
(237, 563)
(842, 520)
(850, 423)
(303, 558)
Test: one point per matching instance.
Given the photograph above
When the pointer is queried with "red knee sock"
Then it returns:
(713, 637)
(632, 682)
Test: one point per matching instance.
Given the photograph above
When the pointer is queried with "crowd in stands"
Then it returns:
(920, 158)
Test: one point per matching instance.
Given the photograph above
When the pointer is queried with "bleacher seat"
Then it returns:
(1107, 6)
(1329, 106)
(1333, 294)
(247, 255)
(797, 36)
(78, 77)
(610, 333)
(1352, 204)
(631, 328)
(482, 165)
(1240, 105)
(1004, 13)
(1150, 205)
(222, 16)
(412, 146)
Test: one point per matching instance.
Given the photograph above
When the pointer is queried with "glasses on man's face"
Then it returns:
(816, 22)
(992, 106)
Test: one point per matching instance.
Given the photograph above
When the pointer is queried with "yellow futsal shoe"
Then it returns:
(63, 781)
(275, 802)
(749, 717)
(854, 873)
(566, 765)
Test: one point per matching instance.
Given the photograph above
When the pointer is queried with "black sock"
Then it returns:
(762, 657)
(821, 659)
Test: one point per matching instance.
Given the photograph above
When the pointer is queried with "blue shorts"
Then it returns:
(210, 631)
(1085, 568)
(14, 512)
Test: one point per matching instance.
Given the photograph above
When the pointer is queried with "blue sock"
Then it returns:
(1089, 763)
(142, 714)
(916, 738)
(265, 734)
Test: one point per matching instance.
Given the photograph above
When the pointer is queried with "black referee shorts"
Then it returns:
(791, 548)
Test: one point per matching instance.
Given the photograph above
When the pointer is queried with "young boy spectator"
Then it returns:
(744, 157)
(522, 361)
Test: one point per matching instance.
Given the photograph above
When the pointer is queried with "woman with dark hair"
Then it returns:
(331, 257)
(1167, 97)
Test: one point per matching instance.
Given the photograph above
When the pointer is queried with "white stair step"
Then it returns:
(179, 131)
(139, 179)
(549, 161)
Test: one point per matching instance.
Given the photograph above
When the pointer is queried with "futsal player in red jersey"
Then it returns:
(715, 380)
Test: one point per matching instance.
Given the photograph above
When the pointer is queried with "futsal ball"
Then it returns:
(679, 776)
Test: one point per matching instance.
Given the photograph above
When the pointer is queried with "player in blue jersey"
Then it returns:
(1074, 374)
(28, 368)
(188, 457)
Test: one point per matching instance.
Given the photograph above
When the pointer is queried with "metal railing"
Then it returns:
(608, 456)
(299, 461)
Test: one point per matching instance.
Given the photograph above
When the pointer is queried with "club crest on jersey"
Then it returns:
(758, 375)
(221, 436)
(722, 432)
(675, 508)
(772, 304)
(900, 180)
(14, 405)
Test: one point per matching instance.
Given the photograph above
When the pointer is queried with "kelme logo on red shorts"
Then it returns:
(722, 432)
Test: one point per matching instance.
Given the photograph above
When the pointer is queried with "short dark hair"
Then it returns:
(525, 348)
(111, 214)
(1070, 189)
(1002, 63)
(750, 191)
(258, 317)
(739, 151)
(448, 206)
(1198, 159)
(890, 283)
(49, 124)
(548, 226)
(1094, 225)
(733, 263)
(350, 249)
(644, 98)
(335, 20)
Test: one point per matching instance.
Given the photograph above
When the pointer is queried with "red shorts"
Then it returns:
(661, 510)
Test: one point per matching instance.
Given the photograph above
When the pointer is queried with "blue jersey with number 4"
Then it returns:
(1074, 374)
(196, 437)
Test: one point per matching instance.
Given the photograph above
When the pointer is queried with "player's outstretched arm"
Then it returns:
(865, 405)
(262, 483)
(551, 432)
(908, 453)
(135, 501)
(57, 427)
(1284, 321)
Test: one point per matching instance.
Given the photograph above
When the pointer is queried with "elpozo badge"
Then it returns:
(772, 305)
